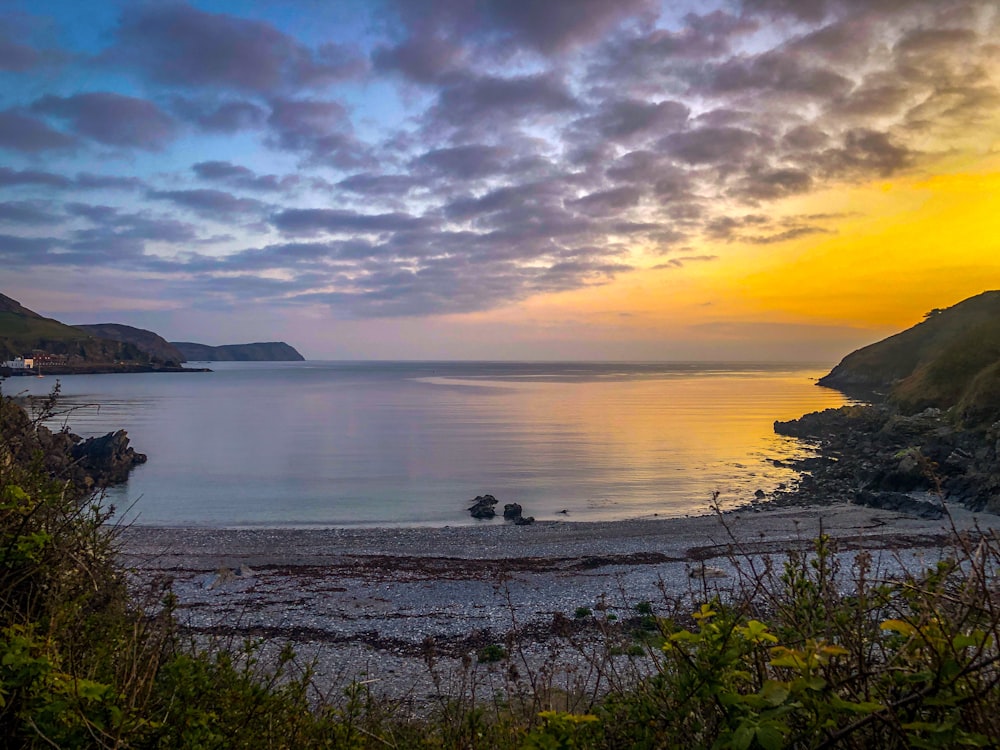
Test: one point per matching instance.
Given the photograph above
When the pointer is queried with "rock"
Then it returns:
(512, 511)
(483, 506)
(524, 520)
(899, 502)
(760, 494)
(706, 571)
(107, 459)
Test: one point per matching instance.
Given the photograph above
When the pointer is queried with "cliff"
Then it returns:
(157, 347)
(951, 360)
(267, 351)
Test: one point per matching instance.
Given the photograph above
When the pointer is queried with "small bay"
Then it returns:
(411, 443)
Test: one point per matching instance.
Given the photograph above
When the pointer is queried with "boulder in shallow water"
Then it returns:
(483, 507)
(512, 511)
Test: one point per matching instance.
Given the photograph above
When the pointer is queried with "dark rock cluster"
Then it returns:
(483, 506)
(86, 464)
(878, 457)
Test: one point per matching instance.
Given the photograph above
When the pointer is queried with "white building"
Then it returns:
(20, 363)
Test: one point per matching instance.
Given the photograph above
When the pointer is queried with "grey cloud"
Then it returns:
(379, 184)
(22, 132)
(465, 162)
(472, 100)
(107, 182)
(116, 225)
(423, 58)
(243, 177)
(216, 204)
(25, 251)
(779, 72)
(27, 212)
(785, 236)
(319, 129)
(805, 138)
(623, 119)
(317, 220)
(873, 101)
(681, 261)
(220, 117)
(113, 119)
(652, 59)
(11, 177)
(865, 152)
(713, 145)
(608, 202)
(556, 25)
(177, 44)
(771, 184)
(17, 58)
(923, 42)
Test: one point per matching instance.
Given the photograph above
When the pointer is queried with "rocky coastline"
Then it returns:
(876, 456)
(87, 465)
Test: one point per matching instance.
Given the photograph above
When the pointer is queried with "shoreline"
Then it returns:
(374, 602)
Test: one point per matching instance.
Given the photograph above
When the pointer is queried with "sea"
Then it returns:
(340, 444)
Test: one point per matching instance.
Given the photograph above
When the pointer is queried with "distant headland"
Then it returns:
(32, 344)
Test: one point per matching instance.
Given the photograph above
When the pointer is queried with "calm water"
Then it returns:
(333, 443)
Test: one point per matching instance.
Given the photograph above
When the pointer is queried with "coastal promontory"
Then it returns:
(263, 351)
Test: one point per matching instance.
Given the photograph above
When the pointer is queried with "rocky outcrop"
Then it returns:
(108, 459)
(879, 457)
(85, 464)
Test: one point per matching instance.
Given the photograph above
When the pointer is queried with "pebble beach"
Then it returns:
(397, 608)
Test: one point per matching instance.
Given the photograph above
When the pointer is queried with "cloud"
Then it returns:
(630, 119)
(107, 182)
(112, 119)
(212, 204)
(319, 220)
(216, 116)
(27, 212)
(22, 132)
(386, 185)
(608, 202)
(470, 100)
(243, 177)
(557, 25)
(176, 44)
(713, 145)
(11, 177)
(424, 58)
(17, 58)
(318, 129)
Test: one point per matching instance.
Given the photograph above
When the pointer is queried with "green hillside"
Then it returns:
(23, 331)
(951, 359)
(151, 343)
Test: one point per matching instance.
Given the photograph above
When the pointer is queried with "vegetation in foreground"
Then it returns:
(803, 654)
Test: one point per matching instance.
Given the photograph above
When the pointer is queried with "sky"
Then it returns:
(780, 180)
